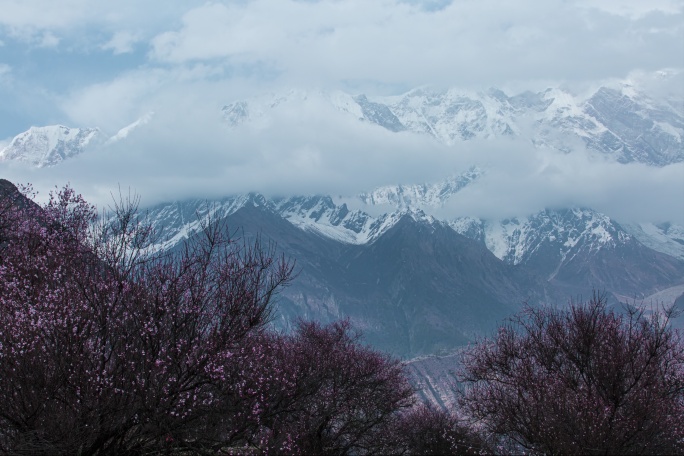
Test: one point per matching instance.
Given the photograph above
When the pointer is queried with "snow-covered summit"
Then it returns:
(566, 231)
(421, 195)
(260, 109)
(48, 146)
(621, 119)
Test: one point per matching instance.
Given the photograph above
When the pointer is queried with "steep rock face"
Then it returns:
(623, 123)
(236, 113)
(48, 146)
(552, 235)
(379, 114)
(175, 221)
(314, 214)
(319, 214)
(453, 115)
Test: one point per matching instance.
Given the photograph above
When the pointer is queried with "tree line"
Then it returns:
(108, 346)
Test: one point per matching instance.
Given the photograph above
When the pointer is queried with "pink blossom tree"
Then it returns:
(427, 430)
(341, 395)
(586, 380)
(106, 347)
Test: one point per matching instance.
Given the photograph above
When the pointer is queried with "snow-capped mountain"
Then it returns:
(413, 284)
(566, 247)
(314, 214)
(319, 214)
(566, 232)
(403, 260)
(563, 246)
(416, 288)
(420, 195)
(48, 146)
(571, 247)
(620, 120)
(51, 145)
(623, 120)
(260, 108)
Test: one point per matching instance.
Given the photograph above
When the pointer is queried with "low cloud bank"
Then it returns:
(316, 149)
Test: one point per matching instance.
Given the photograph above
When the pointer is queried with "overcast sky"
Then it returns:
(98, 63)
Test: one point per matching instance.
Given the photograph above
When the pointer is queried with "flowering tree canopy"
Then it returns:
(106, 346)
(585, 380)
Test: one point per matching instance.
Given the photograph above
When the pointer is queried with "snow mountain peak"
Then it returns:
(620, 120)
(48, 146)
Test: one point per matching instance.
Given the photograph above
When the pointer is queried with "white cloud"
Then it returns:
(84, 21)
(122, 42)
(48, 40)
(634, 9)
(112, 105)
(42, 14)
(525, 182)
(384, 45)
(464, 43)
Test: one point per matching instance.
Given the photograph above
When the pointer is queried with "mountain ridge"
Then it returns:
(620, 120)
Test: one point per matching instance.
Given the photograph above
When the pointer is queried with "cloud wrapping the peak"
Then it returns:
(309, 147)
